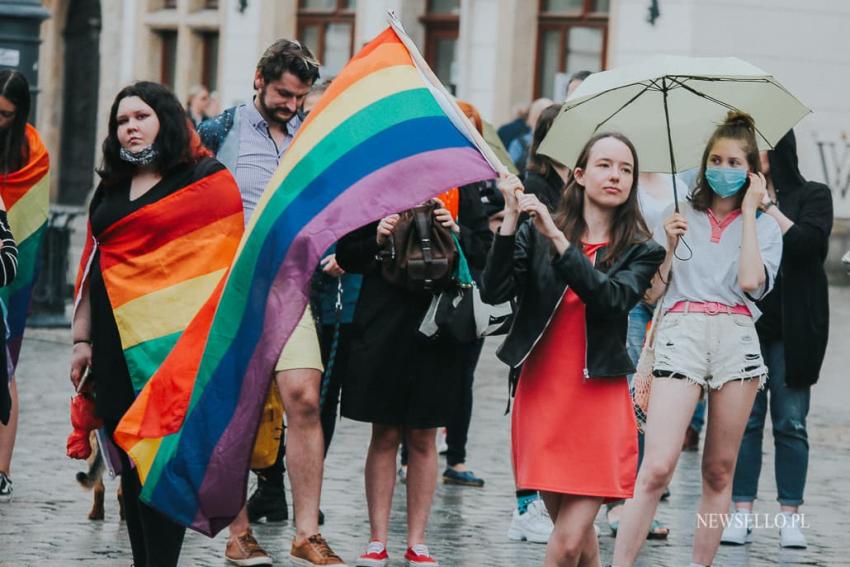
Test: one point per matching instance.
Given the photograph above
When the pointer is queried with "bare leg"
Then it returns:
(10, 431)
(421, 481)
(670, 409)
(573, 541)
(305, 446)
(380, 478)
(590, 554)
(240, 523)
(728, 411)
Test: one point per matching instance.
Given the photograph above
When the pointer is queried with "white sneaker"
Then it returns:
(791, 534)
(534, 526)
(739, 530)
(5, 487)
(442, 446)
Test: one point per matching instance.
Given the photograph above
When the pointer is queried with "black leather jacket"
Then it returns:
(523, 266)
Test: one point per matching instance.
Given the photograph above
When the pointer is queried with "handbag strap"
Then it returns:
(462, 275)
(422, 225)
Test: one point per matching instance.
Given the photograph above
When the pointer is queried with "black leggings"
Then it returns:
(155, 539)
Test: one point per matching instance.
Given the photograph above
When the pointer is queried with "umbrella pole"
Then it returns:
(664, 90)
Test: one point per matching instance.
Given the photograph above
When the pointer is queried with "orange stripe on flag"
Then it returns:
(174, 262)
(16, 184)
(392, 53)
(129, 239)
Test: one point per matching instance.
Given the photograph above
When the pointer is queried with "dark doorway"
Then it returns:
(79, 101)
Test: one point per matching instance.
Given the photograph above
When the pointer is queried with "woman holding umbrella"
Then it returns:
(707, 337)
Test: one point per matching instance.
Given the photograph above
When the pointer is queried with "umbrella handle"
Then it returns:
(664, 90)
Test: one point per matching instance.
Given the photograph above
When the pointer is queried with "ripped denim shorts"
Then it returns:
(708, 349)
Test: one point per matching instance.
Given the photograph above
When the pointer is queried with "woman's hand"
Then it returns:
(756, 193)
(80, 361)
(331, 267)
(386, 228)
(540, 216)
(444, 217)
(510, 186)
(675, 227)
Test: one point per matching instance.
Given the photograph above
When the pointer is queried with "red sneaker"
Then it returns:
(419, 556)
(375, 556)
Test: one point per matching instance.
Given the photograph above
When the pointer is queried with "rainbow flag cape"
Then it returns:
(162, 262)
(26, 193)
(384, 137)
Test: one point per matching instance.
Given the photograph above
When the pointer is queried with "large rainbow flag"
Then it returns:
(384, 137)
(162, 262)
(26, 193)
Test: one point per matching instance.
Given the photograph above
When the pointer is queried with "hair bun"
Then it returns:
(738, 118)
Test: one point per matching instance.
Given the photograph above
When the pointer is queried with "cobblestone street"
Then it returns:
(46, 525)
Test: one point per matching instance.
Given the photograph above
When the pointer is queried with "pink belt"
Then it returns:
(709, 308)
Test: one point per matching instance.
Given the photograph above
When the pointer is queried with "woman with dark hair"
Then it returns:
(164, 224)
(24, 166)
(544, 176)
(576, 276)
(793, 332)
(706, 340)
(404, 383)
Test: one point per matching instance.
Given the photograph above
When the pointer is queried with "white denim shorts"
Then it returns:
(708, 350)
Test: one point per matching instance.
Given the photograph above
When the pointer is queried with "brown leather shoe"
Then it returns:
(244, 550)
(315, 551)
(691, 442)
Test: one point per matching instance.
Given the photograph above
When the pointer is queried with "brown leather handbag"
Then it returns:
(420, 255)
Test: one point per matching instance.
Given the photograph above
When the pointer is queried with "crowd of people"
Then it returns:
(586, 255)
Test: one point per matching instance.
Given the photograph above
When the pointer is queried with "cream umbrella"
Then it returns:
(668, 106)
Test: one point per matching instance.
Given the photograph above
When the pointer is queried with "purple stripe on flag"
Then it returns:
(394, 188)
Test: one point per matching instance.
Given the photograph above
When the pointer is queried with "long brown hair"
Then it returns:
(14, 149)
(627, 226)
(738, 126)
(539, 163)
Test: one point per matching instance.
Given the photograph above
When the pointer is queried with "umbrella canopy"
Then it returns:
(669, 106)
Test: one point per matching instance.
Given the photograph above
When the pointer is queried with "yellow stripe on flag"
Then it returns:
(143, 454)
(29, 213)
(165, 311)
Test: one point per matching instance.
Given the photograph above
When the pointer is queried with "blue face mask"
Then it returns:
(725, 181)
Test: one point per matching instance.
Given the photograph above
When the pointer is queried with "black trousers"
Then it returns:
(330, 402)
(457, 429)
(155, 539)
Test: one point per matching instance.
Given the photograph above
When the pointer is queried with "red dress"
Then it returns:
(572, 435)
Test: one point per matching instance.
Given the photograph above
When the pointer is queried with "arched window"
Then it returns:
(442, 23)
(572, 35)
(326, 27)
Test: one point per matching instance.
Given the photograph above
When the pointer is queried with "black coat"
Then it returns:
(384, 333)
(797, 310)
(522, 266)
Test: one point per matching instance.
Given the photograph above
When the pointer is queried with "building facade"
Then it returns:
(493, 53)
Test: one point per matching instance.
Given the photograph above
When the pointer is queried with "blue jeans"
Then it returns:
(639, 318)
(788, 410)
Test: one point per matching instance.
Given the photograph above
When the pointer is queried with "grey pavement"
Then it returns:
(45, 524)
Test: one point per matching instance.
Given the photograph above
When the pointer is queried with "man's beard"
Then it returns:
(271, 114)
